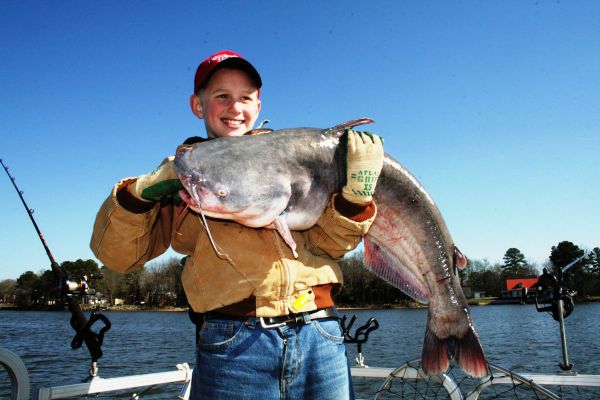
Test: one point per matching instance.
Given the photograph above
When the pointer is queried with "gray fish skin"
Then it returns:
(288, 176)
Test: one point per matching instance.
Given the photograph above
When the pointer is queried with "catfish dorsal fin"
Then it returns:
(339, 129)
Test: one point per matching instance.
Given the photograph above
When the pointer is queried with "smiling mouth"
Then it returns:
(233, 122)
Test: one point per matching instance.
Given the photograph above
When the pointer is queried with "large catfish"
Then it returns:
(283, 179)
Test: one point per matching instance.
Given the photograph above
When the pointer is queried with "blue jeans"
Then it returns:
(242, 360)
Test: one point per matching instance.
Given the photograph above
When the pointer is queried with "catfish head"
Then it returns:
(220, 184)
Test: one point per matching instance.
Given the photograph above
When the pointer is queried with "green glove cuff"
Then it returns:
(161, 184)
(163, 190)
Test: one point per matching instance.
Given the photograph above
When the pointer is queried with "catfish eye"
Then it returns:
(221, 192)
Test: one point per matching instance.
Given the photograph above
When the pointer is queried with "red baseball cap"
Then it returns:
(223, 58)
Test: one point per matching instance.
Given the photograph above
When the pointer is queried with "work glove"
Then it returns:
(160, 184)
(364, 160)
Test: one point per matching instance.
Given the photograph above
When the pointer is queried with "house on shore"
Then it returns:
(522, 288)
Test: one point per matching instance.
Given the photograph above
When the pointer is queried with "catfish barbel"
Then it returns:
(283, 180)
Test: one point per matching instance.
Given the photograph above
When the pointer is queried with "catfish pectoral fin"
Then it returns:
(284, 230)
(467, 352)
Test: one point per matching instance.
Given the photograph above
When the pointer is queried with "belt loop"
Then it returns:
(251, 322)
(306, 318)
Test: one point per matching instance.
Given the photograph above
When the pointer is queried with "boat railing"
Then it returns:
(407, 381)
(182, 376)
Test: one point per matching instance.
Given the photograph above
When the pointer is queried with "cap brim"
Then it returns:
(238, 63)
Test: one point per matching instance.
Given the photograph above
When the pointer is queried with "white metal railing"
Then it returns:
(408, 372)
(17, 373)
(182, 376)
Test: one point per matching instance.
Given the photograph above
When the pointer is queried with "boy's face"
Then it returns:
(228, 104)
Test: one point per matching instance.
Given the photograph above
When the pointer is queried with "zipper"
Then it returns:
(285, 266)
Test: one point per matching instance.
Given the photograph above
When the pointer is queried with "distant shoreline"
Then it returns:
(137, 308)
(84, 307)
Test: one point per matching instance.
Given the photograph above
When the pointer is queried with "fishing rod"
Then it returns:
(71, 290)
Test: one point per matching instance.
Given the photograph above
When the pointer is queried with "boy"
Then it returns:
(266, 326)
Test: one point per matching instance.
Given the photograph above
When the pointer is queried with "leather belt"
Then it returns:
(297, 319)
(276, 322)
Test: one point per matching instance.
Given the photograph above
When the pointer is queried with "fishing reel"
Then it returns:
(79, 286)
(549, 291)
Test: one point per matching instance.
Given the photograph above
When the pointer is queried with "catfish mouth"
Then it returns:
(249, 216)
(188, 200)
(189, 193)
(192, 198)
(194, 205)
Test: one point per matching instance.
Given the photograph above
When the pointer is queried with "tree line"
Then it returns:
(583, 277)
(159, 284)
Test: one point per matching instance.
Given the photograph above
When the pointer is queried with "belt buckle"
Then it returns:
(269, 326)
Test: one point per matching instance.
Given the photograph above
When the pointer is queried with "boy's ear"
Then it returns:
(196, 106)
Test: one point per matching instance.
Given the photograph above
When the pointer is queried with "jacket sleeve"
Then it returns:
(334, 234)
(125, 240)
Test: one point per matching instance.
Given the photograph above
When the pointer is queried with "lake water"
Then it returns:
(514, 337)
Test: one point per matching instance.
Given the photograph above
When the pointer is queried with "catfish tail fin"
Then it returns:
(469, 355)
(466, 351)
(434, 358)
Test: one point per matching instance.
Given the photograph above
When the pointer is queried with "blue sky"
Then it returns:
(493, 105)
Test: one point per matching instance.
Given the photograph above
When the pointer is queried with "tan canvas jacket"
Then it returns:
(254, 261)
